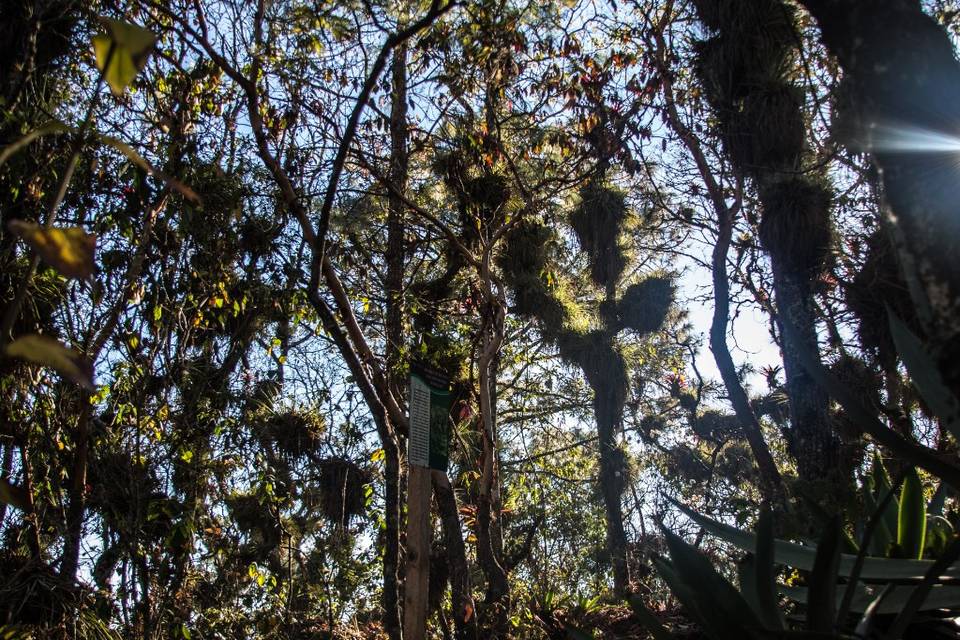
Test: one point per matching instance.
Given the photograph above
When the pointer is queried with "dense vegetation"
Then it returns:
(228, 229)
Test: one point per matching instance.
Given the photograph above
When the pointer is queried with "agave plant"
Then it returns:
(845, 594)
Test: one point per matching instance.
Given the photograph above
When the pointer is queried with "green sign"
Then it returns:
(429, 442)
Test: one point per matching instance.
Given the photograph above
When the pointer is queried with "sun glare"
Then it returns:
(910, 139)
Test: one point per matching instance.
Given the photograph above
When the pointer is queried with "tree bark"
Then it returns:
(70, 559)
(461, 589)
(497, 600)
(811, 439)
(395, 258)
(770, 480)
(609, 487)
(771, 158)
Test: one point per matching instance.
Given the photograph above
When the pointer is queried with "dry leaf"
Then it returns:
(70, 249)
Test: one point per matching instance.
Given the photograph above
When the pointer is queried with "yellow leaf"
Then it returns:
(70, 250)
(51, 353)
(122, 52)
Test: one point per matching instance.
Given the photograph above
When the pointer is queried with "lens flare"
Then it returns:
(911, 139)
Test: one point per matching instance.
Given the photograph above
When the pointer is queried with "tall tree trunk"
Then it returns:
(70, 559)
(608, 423)
(461, 590)
(812, 440)
(395, 259)
(795, 225)
(497, 600)
(770, 480)
(771, 483)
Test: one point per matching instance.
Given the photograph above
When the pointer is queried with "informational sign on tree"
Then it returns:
(429, 442)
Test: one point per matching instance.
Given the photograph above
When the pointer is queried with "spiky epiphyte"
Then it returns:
(758, 47)
(604, 367)
(487, 194)
(715, 425)
(690, 463)
(598, 221)
(341, 489)
(773, 107)
(621, 470)
(526, 251)
(796, 225)
(295, 432)
(644, 305)
(525, 262)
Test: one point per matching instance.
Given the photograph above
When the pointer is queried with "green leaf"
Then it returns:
(881, 539)
(912, 523)
(822, 602)
(51, 353)
(802, 557)
(925, 374)
(718, 599)
(687, 597)
(122, 52)
(940, 597)
(70, 250)
(881, 486)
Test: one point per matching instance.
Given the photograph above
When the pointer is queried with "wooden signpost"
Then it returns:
(427, 449)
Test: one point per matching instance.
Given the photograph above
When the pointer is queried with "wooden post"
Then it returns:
(419, 490)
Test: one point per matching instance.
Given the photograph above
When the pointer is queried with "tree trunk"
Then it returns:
(394, 332)
(796, 220)
(616, 534)
(771, 484)
(812, 440)
(70, 559)
(497, 600)
(461, 590)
